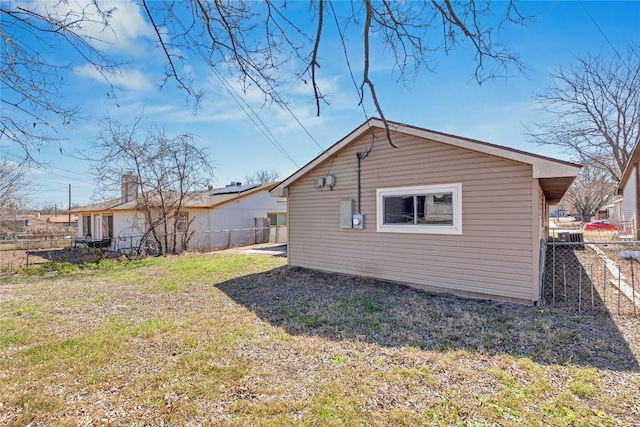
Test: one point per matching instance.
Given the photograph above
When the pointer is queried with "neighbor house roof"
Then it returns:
(555, 175)
(58, 219)
(204, 199)
(97, 207)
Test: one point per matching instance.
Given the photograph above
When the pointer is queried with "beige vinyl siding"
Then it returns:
(493, 255)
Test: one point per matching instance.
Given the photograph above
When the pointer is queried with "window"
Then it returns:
(107, 226)
(429, 209)
(181, 221)
(276, 219)
(86, 225)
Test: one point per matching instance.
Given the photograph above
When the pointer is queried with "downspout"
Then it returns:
(359, 156)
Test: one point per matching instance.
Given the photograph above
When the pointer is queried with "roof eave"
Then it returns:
(633, 160)
(543, 167)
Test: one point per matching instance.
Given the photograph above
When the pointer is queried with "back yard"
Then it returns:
(243, 340)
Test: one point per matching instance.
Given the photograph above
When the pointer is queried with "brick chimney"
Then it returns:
(129, 188)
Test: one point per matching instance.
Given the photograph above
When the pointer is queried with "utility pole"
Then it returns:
(69, 210)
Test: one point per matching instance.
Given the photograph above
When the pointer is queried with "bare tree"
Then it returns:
(594, 110)
(13, 182)
(592, 189)
(262, 176)
(264, 44)
(168, 171)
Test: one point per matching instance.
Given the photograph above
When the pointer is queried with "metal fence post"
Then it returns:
(28, 253)
(604, 286)
(580, 292)
(553, 282)
(633, 290)
(619, 280)
(591, 280)
(564, 280)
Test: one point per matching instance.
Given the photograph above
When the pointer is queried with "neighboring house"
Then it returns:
(617, 209)
(611, 211)
(440, 212)
(629, 189)
(230, 216)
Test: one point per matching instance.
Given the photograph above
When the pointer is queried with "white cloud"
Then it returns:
(127, 79)
(126, 30)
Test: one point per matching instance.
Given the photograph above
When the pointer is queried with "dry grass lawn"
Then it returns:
(244, 340)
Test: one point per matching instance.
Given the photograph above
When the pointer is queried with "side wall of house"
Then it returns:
(199, 229)
(629, 199)
(128, 227)
(543, 215)
(493, 256)
(231, 223)
(539, 241)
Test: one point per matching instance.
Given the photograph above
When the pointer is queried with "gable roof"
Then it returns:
(633, 160)
(204, 199)
(555, 175)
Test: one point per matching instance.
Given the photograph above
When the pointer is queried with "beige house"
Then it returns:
(628, 207)
(440, 212)
(234, 215)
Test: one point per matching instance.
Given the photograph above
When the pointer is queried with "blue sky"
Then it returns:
(447, 100)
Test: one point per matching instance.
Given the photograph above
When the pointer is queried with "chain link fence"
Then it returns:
(584, 272)
(590, 272)
(205, 241)
(29, 250)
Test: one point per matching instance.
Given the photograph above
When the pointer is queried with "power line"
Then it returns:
(46, 169)
(600, 29)
(346, 57)
(278, 99)
(272, 139)
(231, 90)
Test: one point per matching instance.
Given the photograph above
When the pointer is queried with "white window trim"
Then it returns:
(456, 228)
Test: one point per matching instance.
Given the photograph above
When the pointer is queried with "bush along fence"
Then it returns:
(592, 277)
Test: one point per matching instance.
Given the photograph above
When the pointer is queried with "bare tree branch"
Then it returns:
(262, 176)
(365, 74)
(592, 189)
(594, 110)
(169, 171)
(13, 182)
(33, 98)
(261, 44)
